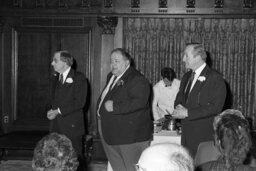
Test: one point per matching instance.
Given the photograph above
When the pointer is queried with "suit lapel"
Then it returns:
(199, 84)
(71, 75)
(124, 80)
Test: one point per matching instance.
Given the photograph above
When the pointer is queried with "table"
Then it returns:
(163, 136)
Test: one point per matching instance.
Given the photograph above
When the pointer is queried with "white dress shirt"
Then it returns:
(65, 74)
(164, 98)
(197, 74)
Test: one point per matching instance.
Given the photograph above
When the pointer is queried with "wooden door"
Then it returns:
(34, 51)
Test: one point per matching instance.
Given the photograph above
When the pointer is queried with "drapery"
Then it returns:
(155, 43)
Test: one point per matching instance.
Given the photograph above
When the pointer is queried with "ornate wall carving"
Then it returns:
(247, 4)
(191, 3)
(108, 3)
(218, 4)
(108, 24)
(132, 7)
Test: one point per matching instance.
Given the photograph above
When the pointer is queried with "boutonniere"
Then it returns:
(120, 82)
(201, 78)
(69, 80)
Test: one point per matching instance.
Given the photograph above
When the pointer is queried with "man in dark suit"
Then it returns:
(200, 98)
(124, 111)
(66, 113)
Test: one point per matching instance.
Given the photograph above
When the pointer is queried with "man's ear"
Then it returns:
(127, 62)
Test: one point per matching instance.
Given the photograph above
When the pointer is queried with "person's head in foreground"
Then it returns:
(165, 157)
(232, 137)
(54, 152)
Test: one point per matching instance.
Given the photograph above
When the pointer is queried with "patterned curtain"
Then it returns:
(155, 43)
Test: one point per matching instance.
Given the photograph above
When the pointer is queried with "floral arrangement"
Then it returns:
(54, 152)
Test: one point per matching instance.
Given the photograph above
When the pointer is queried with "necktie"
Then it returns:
(61, 78)
(111, 86)
(189, 85)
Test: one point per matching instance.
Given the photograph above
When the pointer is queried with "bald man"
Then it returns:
(165, 157)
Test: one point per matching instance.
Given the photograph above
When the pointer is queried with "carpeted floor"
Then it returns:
(25, 165)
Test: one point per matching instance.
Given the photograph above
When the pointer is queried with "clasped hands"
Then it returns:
(51, 114)
(180, 112)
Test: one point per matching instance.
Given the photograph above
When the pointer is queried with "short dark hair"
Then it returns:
(198, 49)
(66, 57)
(168, 73)
(124, 53)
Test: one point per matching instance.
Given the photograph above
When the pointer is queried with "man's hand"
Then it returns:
(51, 114)
(109, 105)
(180, 112)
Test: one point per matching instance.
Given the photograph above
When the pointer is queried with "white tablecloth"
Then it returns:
(163, 136)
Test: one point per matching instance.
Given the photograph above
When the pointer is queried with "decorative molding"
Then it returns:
(107, 23)
(63, 4)
(40, 4)
(75, 22)
(17, 3)
(191, 3)
(135, 3)
(86, 3)
(218, 4)
(162, 3)
(108, 3)
(247, 4)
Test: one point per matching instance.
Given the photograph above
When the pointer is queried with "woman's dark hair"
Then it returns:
(168, 73)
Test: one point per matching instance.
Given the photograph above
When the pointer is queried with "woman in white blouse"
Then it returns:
(165, 92)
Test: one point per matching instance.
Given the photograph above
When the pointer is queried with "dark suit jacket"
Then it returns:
(130, 121)
(70, 99)
(204, 102)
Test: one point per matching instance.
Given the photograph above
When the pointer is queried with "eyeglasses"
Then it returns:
(139, 168)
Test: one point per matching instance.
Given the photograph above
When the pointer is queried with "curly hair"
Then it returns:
(232, 136)
(54, 151)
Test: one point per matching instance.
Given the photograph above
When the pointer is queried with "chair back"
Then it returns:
(206, 152)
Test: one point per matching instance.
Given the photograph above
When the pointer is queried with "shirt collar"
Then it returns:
(65, 73)
(200, 69)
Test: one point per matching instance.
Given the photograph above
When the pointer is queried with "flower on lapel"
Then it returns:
(69, 80)
(120, 82)
(201, 78)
